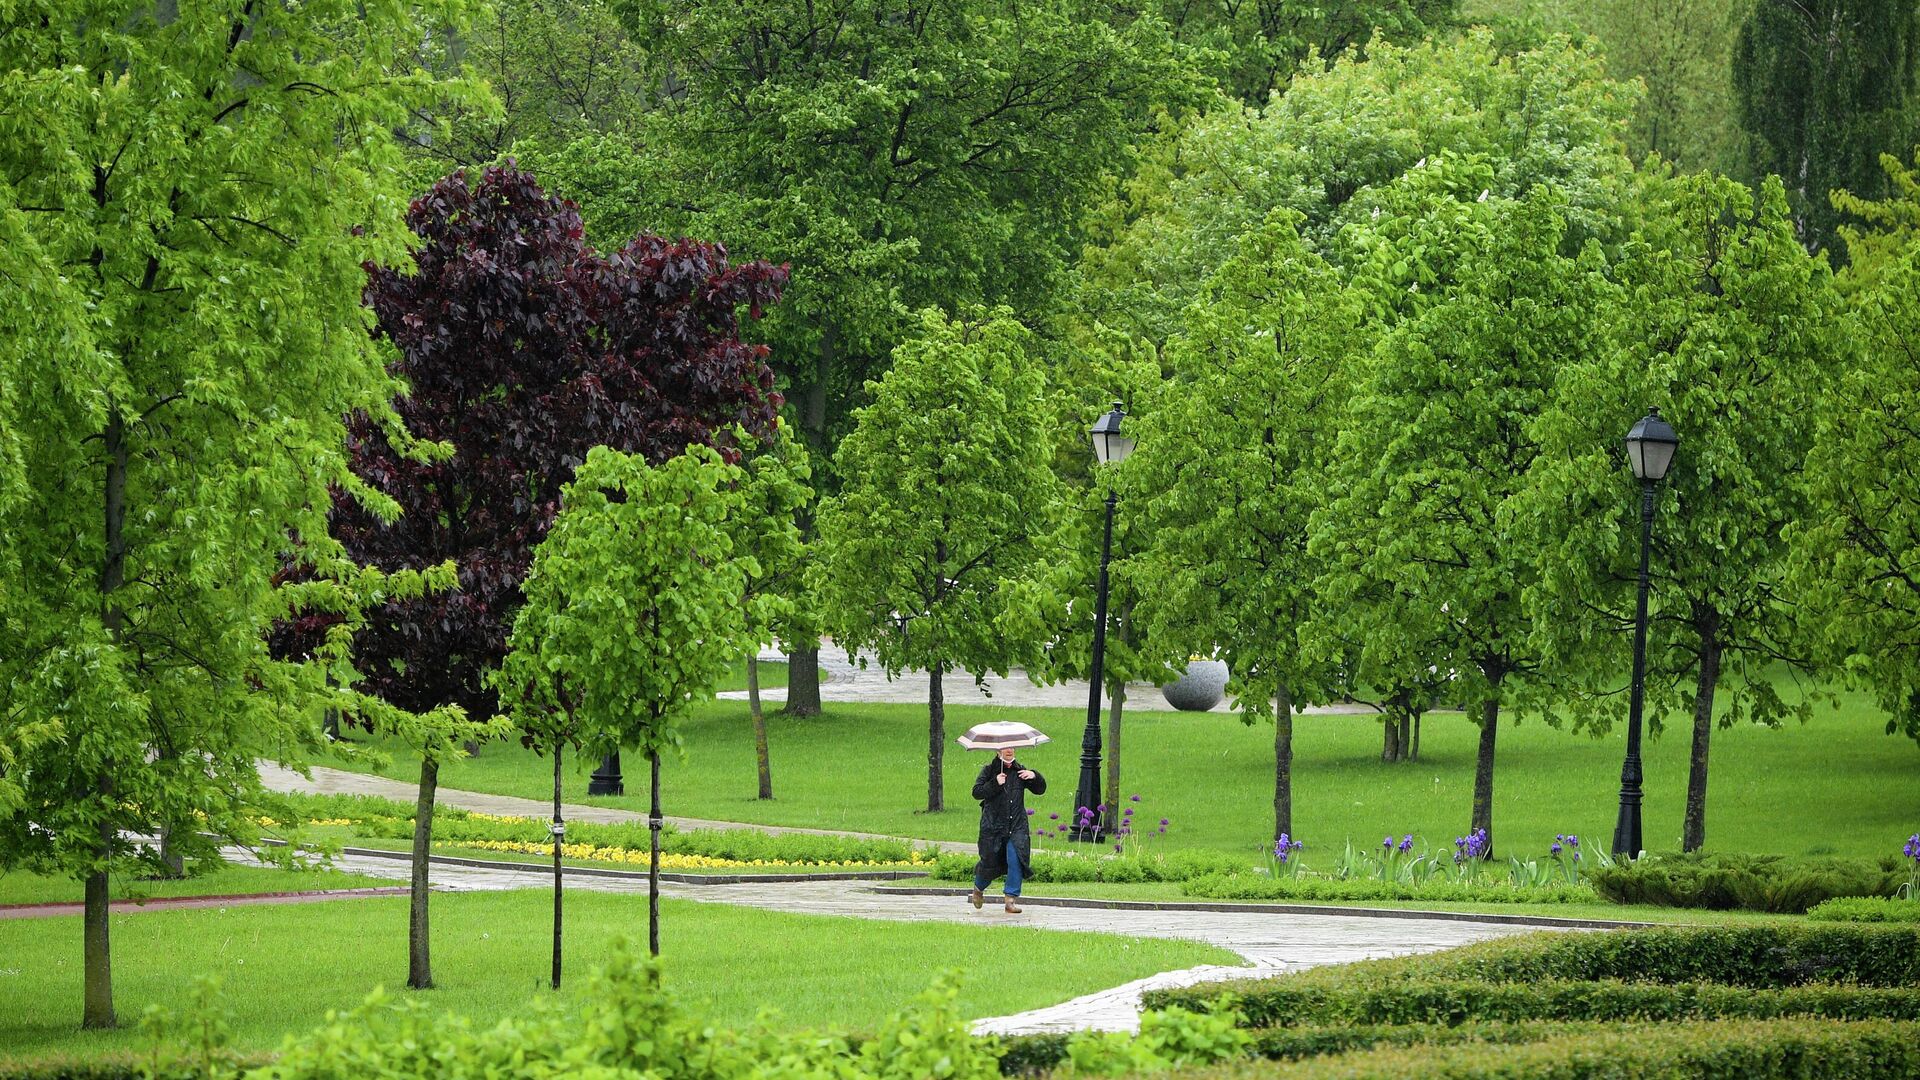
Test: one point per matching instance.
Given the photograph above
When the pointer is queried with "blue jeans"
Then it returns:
(1013, 872)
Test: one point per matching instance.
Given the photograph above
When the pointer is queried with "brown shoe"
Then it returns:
(1012, 908)
(976, 898)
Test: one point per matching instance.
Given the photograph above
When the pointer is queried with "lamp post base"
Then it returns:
(606, 779)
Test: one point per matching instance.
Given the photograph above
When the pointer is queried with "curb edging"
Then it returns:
(1292, 909)
(634, 875)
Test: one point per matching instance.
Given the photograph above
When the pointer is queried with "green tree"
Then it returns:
(896, 154)
(1426, 561)
(1253, 49)
(1822, 89)
(1331, 144)
(1231, 466)
(191, 191)
(948, 499)
(632, 612)
(1728, 327)
(1883, 229)
(773, 492)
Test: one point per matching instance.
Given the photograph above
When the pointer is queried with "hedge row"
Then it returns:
(114, 1067)
(1867, 909)
(1285, 1003)
(1246, 886)
(1032, 1055)
(1726, 881)
(1174, 866)
(1739, 1050)
(1756, 956)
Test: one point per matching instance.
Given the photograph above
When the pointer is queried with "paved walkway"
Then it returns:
(845, 680)
(341, 782)
(1270, 943)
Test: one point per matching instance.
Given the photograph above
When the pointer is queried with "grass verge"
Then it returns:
(284, 967)
(19, 887)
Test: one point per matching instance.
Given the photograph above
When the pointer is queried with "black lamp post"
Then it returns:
(1650, 447)
(1110, 447)
(606, 779)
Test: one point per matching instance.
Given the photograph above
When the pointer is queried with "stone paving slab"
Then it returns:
(844, 680)
(1271, 943)
(328, 781)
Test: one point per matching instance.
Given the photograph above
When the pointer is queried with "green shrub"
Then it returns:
(1168, 1038)
(1736, 1050)
(1130, 868)
(1727, 881)
(1283, 1003)
(1869, 909)
(112, 1067)
(1250, 886)
(1763, 957)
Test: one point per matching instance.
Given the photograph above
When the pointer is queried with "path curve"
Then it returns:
(1271, 943)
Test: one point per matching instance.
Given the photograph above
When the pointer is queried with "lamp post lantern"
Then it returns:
(1650, 448)
(1110, 447)
(606, 779)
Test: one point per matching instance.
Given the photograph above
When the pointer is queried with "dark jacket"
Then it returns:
(1003, 815)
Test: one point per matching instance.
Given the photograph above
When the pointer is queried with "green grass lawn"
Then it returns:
(772, 673)
(19, 887)
(282, 968)
(1837, 785)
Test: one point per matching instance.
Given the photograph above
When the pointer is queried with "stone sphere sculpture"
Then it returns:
(1200, 689)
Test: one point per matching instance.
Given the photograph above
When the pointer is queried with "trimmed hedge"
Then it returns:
(1245, 886)
(1033, 1055)
(1727, 881)
(1174, 866)
(1755, 956)
(1740, 1050)
(1285, 1003)
(113, 1067)
(1867, 909)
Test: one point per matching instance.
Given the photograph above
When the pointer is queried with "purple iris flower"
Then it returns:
(1406, 843)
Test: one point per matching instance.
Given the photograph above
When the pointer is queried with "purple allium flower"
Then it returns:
(1031, 811)
(1053, 817)
(1163, 821)
(1128, 812)
(1102, 808)
(1406, 843)
(1118, 847)
(1162, 830)
(1135, 798)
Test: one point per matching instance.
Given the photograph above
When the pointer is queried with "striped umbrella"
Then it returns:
(998, 733)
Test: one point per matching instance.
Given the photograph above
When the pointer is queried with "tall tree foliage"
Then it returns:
(187, 193)
(1422, 539)
(1823, 88)
(1253, 49)
(947, 501)
(633, 612)
(522, 348)
(1728, 326)
(1231, 467)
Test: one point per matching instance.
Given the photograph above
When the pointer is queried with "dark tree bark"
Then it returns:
(936, 741)
(803, 679)
(1282, 761)
(97, 955)
(1413, 754)
(653, 859)
(1483, 770)
(559, 835)
(1116, 704)
(419, 954)
(1405, 741)
(759, 728)
(1694, 834)
(1389, 739)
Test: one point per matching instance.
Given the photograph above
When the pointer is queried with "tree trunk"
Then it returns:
(559, 835)
(97, 956)
(1695, 832)
(1389, 739)
(419, 961)
(1282, 761)
(1413, 754)
(936, 740)
(1405, 740)
(803, 679)
(1483, 770)
(98, 990)
(759, 728)
(1116, 703)
(653, 860)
